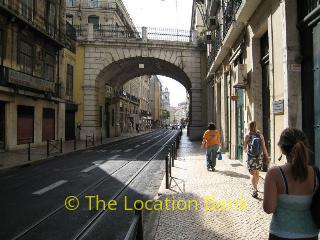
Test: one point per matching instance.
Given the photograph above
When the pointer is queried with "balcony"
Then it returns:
(126, 96)
(235, 14)
(25, 14)
(105, 5)
(20, 80)
(71, 37)
(308, 8)
(230, 9)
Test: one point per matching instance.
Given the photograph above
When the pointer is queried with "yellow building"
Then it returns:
(32, 108)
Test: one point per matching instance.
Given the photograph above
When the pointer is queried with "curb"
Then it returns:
(42, 160)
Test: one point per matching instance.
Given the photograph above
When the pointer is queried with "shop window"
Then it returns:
(25, 124)
(49, 68)
(25, 57)
(69, 84)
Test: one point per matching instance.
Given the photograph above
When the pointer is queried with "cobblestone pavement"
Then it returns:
(192, 181)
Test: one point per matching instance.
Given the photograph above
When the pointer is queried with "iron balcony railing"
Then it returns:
(71, 37)
(30, 15)
(306, 7)
(230, 9)
(217, 43)
(101, 32)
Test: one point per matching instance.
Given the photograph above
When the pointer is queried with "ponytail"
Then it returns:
(294, 144)
(300, 159)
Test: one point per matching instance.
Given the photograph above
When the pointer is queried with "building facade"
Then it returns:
(32, 105)
(123, 109)
(309, 28)
(155, 96)
(254, 70)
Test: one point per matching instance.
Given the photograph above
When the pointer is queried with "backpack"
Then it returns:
(255, 145)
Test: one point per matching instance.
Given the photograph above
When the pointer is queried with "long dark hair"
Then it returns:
(295, 146)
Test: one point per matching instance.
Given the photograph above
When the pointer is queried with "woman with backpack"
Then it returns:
(289, 190)
(255, 147)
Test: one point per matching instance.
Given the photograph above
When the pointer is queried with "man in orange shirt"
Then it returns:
(211, 140)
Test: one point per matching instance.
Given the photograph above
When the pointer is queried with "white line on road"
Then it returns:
(96, 164)
(115, 156)
(144, 143)
(128, 150)
(50, 187)
(89, 168)
(116, 151)
(137, 146)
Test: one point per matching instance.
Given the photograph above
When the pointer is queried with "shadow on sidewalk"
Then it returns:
(233, 174)
(187, 222)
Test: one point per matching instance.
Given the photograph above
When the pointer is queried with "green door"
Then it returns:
(316, 52)
(240, 121)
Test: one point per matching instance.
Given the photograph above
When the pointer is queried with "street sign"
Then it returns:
(278, 107)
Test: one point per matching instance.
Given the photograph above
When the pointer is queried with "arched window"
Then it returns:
(95, 21)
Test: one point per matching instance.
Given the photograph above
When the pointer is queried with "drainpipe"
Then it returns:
(273, 96)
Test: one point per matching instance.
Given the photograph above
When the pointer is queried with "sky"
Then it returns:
(166, 14)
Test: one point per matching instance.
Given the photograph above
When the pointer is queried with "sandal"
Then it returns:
(255, 194)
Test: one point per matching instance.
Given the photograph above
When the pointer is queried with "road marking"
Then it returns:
(144, 143)
(50, 187)
(116, 151)
(96, 164)
(128, 150)
(89, 151)
(89, 169)
(102, 150)
(115, 156)
(137, 146)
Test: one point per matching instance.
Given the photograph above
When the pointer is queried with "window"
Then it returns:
(69, 84)
(49, 67)
(26, 9)
(51, 18)
(69, 18)
(70, 3)
(94, 3)
(26, 57)
(95, 21)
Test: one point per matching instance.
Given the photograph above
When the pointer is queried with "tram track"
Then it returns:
(163, 141)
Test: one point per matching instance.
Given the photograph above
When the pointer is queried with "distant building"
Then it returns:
(155, 98)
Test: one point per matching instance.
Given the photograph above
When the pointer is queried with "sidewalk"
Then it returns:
(192, 181)
(17, 158)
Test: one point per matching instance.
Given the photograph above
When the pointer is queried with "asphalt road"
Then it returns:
(32, 198)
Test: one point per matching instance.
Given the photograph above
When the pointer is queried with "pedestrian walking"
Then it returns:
(289, 189)
(255, 147)
(211, 140)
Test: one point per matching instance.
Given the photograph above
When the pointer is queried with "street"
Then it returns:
(32, 202)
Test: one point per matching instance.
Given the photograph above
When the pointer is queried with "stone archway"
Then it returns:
(115, 65)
